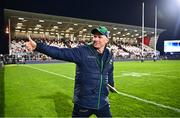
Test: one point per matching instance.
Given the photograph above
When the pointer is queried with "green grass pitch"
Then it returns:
(46, 90)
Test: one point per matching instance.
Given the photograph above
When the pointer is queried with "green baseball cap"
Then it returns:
(102, 30)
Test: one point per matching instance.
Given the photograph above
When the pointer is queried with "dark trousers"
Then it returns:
(79, 111)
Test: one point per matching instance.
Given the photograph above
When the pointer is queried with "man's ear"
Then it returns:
(107, 39)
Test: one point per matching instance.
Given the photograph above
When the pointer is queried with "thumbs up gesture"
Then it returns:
(31, 45)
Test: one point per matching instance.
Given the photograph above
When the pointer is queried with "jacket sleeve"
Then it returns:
(66, 54)
(111, 77)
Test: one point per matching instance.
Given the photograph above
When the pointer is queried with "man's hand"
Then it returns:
(31, 45)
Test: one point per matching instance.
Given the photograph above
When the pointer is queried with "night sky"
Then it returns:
(117, 11)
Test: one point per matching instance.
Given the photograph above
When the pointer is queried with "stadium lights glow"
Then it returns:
(177, 2)
(84, 30)
(23, 31)
(7, 30)
(89, 25)
(59, 22)
(36, 28)
(67, 31)
(18, 27)
(19, 24)
(46, 33)
(21, 18)
(70, 28)
(41, 21)
(171, 8)
(17, 30)
(80, 32)
(55, 27)
(29, 31)
(136, 34)
(38, 25)
(25, 20)
(115, 28)
(119, 33)
(128, 33)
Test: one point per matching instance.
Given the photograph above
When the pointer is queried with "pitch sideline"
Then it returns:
(120, 93)
(142, 74)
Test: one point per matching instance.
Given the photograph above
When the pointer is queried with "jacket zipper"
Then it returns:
(99, 97)
(101, 69)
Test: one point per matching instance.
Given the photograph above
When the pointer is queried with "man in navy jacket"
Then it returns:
(94, 71)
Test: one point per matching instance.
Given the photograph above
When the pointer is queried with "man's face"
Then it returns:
(99, 40)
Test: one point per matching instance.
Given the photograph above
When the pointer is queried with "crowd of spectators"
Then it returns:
(119, 49)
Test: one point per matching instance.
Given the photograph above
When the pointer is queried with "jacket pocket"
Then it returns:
(89, 84)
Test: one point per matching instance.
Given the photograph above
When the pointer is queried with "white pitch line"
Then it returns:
(165, 75)
(49, 72)
(146, 75)
(150, 102)
(151, 74)
(166, 71)
(120, 93)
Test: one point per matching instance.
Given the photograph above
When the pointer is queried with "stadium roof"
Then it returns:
(28, 22)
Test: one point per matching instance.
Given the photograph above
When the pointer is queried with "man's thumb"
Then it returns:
(30, 39)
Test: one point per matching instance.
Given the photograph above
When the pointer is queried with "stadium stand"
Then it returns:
(66, 32)
(120, 51)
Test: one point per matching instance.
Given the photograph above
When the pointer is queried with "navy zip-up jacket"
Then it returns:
(92, 74)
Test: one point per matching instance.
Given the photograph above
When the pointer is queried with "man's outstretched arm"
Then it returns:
(66, 54)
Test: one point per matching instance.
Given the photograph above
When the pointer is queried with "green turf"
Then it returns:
(1, 91)
(31, 92)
